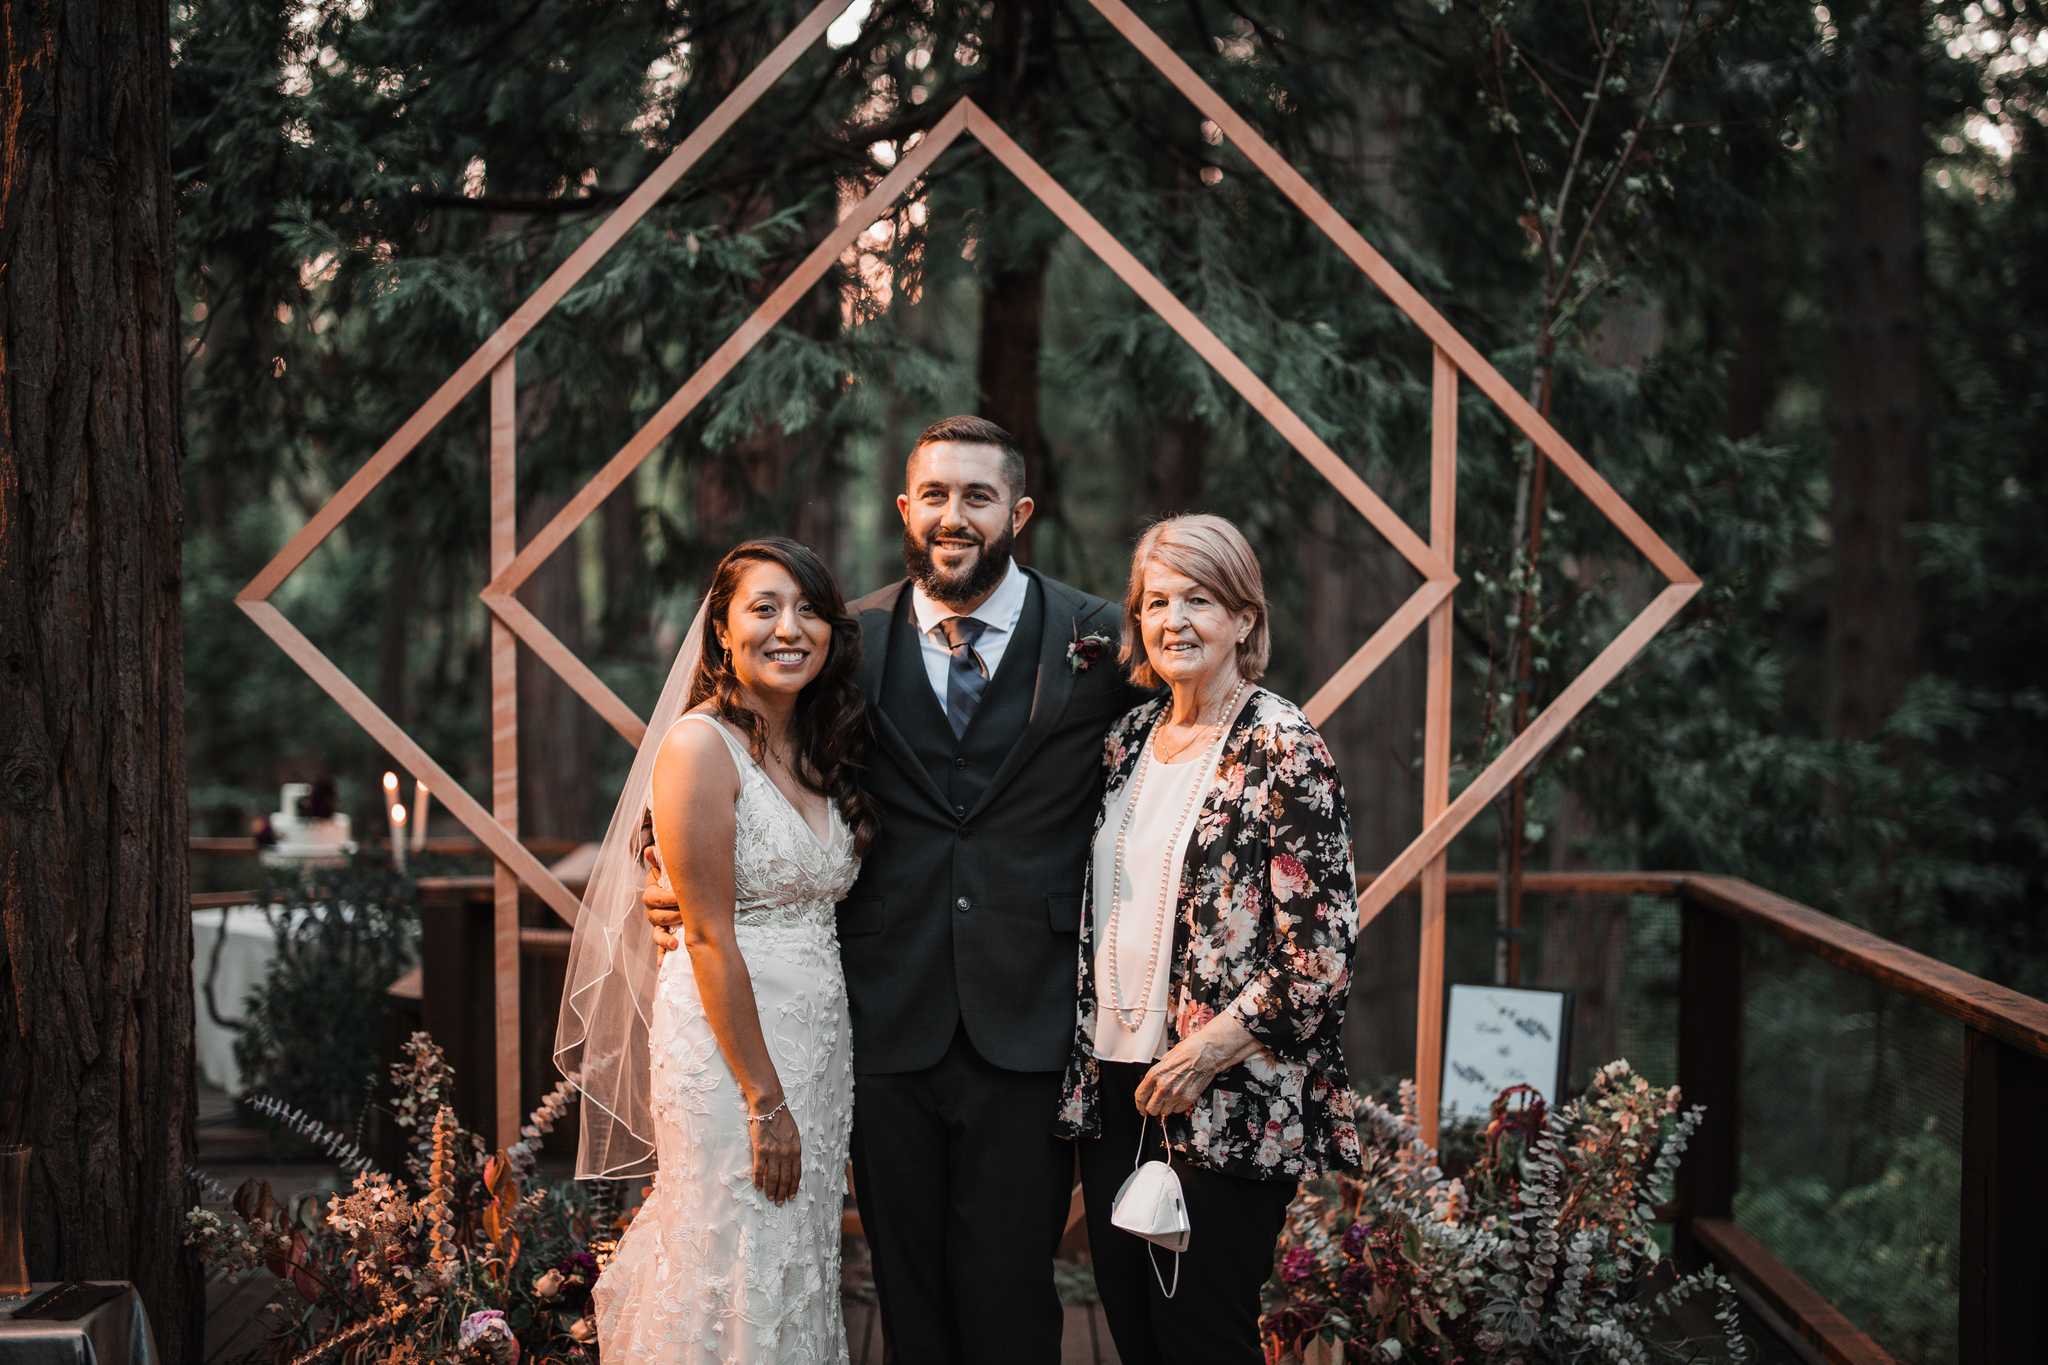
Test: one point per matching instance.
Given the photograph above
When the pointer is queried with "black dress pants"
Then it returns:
(1233, 1224)
(963, 1192)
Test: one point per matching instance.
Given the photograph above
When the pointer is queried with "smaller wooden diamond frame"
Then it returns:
(511, 565)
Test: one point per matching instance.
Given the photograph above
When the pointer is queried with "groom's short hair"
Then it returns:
(967, 429)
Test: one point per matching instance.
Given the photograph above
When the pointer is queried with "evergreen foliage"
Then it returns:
(342, 936)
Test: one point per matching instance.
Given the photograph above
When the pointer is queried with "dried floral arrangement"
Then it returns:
(469, 1258)
(1542, 1251)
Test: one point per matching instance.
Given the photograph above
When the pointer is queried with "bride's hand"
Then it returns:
(778, 1156)
(660, 904)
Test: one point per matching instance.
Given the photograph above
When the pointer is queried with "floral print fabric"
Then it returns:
(1267, 912)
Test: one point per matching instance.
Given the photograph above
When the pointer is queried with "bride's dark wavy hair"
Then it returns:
(830, 725)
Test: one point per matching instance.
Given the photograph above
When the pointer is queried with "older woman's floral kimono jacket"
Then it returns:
(1266, 915)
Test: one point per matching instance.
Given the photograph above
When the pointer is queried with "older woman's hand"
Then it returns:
(663, 912)
(1185, 1073)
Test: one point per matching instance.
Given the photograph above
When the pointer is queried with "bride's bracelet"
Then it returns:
(763, 1118)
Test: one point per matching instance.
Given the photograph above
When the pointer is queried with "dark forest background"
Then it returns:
(1766, 265)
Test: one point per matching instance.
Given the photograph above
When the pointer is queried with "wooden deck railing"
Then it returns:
(2004, 1253)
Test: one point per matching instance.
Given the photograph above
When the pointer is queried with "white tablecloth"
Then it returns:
(245, 956)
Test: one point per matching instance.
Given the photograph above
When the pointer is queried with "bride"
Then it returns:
(727, 1066)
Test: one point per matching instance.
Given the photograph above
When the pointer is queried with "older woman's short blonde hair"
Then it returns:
(1215, 554)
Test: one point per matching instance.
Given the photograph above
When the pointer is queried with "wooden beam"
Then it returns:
(1771, 1284)
(449, 892)
(1456, 883)
(504, 442)
(546, 942)
(222, 900)
(1579, 883)
(1436, 749)
(2018, 1020)
(245, 845)
(231, 844)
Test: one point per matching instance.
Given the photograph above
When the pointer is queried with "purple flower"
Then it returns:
(488, 1334)
(1354, 1239)
(1298, 1265)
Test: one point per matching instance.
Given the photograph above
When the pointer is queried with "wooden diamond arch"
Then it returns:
(1453, 357)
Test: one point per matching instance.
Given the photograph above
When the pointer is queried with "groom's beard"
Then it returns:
(986, 571)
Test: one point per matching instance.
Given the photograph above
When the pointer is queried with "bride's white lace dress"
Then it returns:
(710, 1270)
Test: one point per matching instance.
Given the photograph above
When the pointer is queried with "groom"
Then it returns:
(990, 688)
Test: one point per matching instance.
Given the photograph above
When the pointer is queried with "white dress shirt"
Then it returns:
(999, 613)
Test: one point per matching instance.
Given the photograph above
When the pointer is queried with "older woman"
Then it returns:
(1215, 955)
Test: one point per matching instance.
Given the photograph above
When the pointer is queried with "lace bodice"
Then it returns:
(782, 873)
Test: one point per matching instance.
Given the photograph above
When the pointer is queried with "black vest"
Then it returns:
(963, 766)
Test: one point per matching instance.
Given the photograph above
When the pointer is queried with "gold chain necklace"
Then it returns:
(1132, 1017)
(1201, 733)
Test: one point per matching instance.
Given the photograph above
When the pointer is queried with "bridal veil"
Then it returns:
(608, 997)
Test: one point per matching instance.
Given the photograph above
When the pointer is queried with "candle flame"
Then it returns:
(397, 814)
(390, 782)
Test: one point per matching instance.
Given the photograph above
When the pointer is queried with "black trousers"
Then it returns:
(1232, 1226)
(963, 1192)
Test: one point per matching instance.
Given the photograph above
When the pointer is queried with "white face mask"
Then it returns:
(1149, 1205)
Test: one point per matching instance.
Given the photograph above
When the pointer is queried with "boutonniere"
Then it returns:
(1085, 650)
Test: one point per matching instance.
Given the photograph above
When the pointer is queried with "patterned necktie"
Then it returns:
(966, 675)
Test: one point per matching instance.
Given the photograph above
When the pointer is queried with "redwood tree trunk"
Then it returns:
(1019, 57)
(1012, 340)
(1745, 315)
(1877, 410)
(95, 960)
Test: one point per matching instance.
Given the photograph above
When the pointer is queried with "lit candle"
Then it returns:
(421, 801)
(398, 837)
(391, 813)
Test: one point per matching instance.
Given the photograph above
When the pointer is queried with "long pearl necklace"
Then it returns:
(1132, 1017)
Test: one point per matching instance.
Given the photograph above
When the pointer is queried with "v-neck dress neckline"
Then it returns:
(822, 842)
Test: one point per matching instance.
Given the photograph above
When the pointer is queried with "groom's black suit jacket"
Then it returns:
(969, 900)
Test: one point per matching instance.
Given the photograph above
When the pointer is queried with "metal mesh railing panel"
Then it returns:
(1851, 1140)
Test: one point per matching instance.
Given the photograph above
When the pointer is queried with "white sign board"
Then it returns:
(1498, 1036)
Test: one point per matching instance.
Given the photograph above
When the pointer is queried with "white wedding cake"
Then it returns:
(302, 839)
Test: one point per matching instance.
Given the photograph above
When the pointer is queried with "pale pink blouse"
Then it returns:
(1150, 848)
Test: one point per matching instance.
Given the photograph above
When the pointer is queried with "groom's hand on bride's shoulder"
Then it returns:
(660, 903)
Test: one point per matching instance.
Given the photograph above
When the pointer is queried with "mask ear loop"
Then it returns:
(1151, 1248)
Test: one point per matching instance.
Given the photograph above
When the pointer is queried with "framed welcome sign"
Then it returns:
(1499, 1036)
